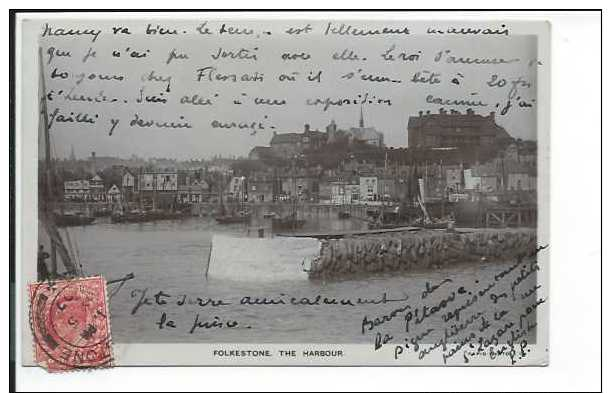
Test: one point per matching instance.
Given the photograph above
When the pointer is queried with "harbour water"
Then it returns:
(171, 257)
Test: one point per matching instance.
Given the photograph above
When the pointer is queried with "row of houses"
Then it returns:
(434, 181)
(354, 182)
(86, 190)
(181, 187)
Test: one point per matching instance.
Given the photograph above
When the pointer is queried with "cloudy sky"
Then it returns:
(268, 42)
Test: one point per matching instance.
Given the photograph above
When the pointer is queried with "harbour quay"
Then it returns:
(396, 251)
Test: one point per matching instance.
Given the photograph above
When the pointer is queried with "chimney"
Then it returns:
(420, 113)
(306, 127)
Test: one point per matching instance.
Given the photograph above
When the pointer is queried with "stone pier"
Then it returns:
(406, 251)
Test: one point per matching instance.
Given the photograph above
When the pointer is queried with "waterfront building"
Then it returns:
(129, 184)
(302, 186)
(353, 188)
(368, 188)
(113, 195)
(345, 192)
(527, 153)
(128, 181)
(387, 188)
(472, 182)
(489, 176)
(159, 181)
(236, 188)
(524, 152)
(455, 129)
(520, 177)
(76, 190)
(158, 189)
(434, 180)
(454, 179)
(193, 190)
(97, 191)
(263, 187)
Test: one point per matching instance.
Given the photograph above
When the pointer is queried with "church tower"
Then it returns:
(361, 120)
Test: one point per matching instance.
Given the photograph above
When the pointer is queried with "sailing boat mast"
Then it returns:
(221, 185)
(294, 212)
(48, 215)
(154, 191)
(45, 118)
(48, 198)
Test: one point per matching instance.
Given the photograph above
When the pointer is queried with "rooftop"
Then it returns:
(295, 137)
(468, 123)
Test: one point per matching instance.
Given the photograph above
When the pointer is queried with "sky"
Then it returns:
(268, 42)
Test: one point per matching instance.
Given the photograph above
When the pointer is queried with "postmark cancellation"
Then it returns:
(70, 324)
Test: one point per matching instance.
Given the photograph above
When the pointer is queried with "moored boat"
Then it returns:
(235, 218)
(145, 216)
(70, 219)
(270, 215)
(343, 214)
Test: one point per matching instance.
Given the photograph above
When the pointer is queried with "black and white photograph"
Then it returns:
(292, 191)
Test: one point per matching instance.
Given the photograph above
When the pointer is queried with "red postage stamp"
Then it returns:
(70, 324)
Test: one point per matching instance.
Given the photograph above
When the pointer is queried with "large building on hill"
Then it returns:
(287, 145)
(290, 144)
(368, 135)
(455, 129)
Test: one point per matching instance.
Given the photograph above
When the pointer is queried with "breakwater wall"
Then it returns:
(407, 251)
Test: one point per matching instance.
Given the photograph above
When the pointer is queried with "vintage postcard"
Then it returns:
(282, 189)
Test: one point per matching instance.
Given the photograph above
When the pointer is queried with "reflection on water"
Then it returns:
(171, 256)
